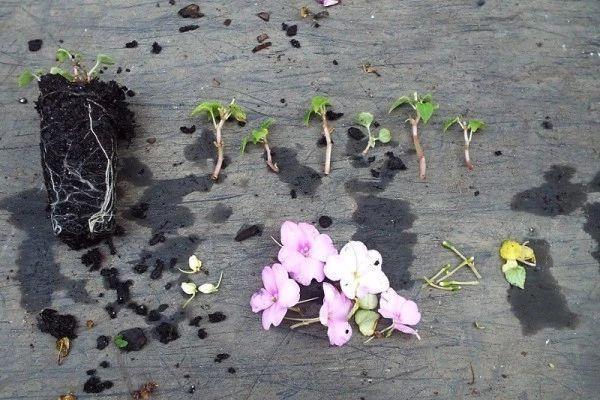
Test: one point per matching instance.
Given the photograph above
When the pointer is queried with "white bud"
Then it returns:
(189, 288)
(207, 288)
(194, 263)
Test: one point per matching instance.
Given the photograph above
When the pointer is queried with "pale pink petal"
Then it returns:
(339, 332)
(268, 278)
(273, 316)
(309, 231)
(409, 313)
(354, 250)
(372, 282)
(339, 308)
(290, 258)
(322, 247)
(291, 234)
(335, 268)
(289, 293)
(385, 311)
(309, 270)
(280, 275)
(261, 300)
(406, 329)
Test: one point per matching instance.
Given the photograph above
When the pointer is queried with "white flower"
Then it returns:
(189, 288)
(208, 288)
(195, 265)
(358, 270)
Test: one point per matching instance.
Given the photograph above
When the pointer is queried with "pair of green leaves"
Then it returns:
(258, 135)
(216, 110)
(423, 105)
(318, 106)
(472, 125)
(365, 119)
(514, 252)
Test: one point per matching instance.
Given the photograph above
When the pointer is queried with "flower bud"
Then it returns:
(189, 288)
(368, 302)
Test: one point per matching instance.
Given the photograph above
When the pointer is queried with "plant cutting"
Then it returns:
(441, 279)
(515, 254)
(260, 136)
(192, 289)
(218, 114)
(424, 108)
(352, 280)
(318, 106)
(82, 118)
(384, 135)
(469, 128)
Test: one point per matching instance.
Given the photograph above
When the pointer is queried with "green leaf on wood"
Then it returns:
(63, 55)
(399, 102)
(364, 119)
(475, 124)
(104, 59)
(62, 72)
(425, 110)
(366, 321)
(120, 342)
(384, 135)
(448, 123)
(319, 103)
(210, 107)
(237, 112)
(516, 276)
(25, 78)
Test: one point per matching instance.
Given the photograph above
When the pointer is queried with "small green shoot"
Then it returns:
(424, 107)
(260, 136)
(514, 253)
(218, 113)
(469, 128)
(76, 72)
(120, 342)
(365, 120)
(318, 106)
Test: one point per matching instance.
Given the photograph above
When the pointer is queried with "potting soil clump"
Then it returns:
(79, 129)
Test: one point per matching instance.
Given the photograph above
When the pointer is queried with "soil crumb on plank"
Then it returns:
(51, 322)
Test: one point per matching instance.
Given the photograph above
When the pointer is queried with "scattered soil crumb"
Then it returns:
(221, 357)
(231, 370)
(216, 317)
(190, 11)
(35, 44)
(291, 30)
(355, 133)
(295, 43)
(227, 22)
(196, 321)
(188, 28)
(92, 259)
(135, 337)
(265, 16)
(498, 153)
(325, 221)
(156, 48)
(57, 325)
(333, 116)
(261, 46)
(166, 332)
(262, 37)
(96, 385)
(23, 100)
(202, 333)
(131, 45)
(190, 130)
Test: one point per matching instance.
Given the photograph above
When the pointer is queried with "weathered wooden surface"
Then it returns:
(510, 63)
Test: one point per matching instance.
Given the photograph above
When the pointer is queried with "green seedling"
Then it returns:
(76, 72)
(365, 119)
(424, 108)
(318, 106)
(260, 136)
(469, 128)
(218, 113)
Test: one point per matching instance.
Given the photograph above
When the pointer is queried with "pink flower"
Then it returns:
(279, 293)
(304, 251)
(358, 270)
(400, 310)
(334, 315)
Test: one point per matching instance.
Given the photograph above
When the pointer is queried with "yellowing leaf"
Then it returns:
(63, 345)
(527, 254)
(510, 250)
(68, 396)
(516, 276)
(510, 264)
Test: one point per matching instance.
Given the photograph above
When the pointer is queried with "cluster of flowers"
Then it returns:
(355, 280)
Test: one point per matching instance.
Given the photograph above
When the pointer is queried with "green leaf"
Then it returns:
(366, 321)
(399, 102)
(25, 78)
(318, 104)
(266, 124)
(39, 72)
(62, 72)
(475, 124)
(516, 276)
(384, 135)
(364, 119)
(259, 135)
(120, 342)
(450, 122)
(425, 110)
(307, 116)
(104, 59)
(244, 144)
(211, 107)
(237, 112)
(63, 55)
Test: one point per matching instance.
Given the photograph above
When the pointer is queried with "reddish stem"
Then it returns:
(327, 133)
(270, 162)
(220, 150)
(418, 148)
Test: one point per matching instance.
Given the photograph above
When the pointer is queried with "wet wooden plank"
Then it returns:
(514, 64)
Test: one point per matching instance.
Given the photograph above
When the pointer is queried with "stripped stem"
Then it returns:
(468, 136)
(270, 162)
(471, 264)
(420, 154)
(220, 148)
(433, 285)
(327, 133)
(459, 266)
(303, 321)
(370, 142)
(455, 283)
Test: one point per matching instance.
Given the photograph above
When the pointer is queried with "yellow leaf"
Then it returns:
(527, 254)
(510, 250)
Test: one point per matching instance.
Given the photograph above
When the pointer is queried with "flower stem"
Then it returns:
(420, 154)
(451, 247)
(307, 300)
(459, 266)
(303, 321)
(327, 133)
(467, 156)
(190, 299)
(270, 162)
(451, 283)
(433, 285)
(220, 149)
(441, 271)
(369, 143)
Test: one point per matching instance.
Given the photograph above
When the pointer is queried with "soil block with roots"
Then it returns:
(79, 129)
